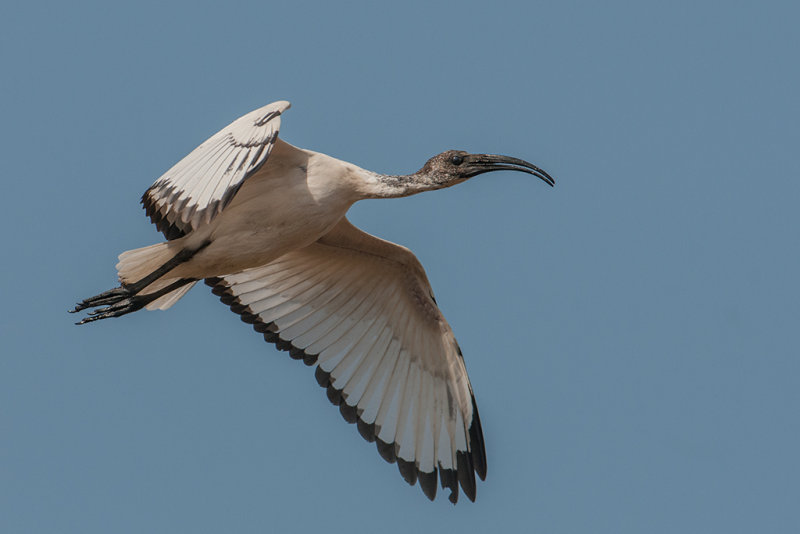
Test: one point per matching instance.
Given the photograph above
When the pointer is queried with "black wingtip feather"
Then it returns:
(170, 230)
(367, 430)
(219, 290)
(323, 377)
(467, 463)
(334, 395)
(348, 412)
(427, 481)
(215, 283)
(386, 450)
(477, 445)
(466, 475)
(248, 318)
(271, 337)
(407, 470)
(449, 481)
(261, 327)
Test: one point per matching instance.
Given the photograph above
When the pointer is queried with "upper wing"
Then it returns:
(362, 309)
(200, 185)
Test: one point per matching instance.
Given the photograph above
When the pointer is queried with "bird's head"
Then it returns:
(455, 166)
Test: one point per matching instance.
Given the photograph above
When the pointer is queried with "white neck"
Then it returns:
(375, 185)
(367, 184)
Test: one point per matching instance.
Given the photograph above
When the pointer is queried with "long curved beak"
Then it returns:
(481, 163)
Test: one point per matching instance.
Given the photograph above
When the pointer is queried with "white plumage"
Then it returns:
(264, 224)
(200, 185)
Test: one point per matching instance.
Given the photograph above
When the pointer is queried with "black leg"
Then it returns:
(122, 301)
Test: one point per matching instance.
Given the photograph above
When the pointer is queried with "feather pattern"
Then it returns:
(264, 224)
(362, 309)
(198, 187)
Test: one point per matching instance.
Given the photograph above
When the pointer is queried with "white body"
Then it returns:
(292, 201)
(264, 223)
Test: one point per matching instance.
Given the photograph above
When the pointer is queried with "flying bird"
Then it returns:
(264, 224)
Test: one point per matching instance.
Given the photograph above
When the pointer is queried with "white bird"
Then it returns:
(263, 223)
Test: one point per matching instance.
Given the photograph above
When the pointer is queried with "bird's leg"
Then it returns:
(126, 299)
(121, 301)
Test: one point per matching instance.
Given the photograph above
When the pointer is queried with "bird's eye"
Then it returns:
(457, 160)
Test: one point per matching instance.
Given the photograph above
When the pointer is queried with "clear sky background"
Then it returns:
(631, 334)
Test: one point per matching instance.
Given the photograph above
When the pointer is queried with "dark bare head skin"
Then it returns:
(454, 166)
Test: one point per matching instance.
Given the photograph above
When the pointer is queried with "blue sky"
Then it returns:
(631, 334)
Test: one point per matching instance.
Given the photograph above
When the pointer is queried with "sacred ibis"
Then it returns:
(263, 223)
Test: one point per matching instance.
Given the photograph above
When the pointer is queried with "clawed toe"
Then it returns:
(121, 307)
(112, 296)
(122, 300)
(114, 302)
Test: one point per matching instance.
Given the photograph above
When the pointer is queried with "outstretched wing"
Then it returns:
(200, 185)
(362, 310)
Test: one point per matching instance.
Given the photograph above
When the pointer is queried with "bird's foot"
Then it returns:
(106, 297)
(118, 301)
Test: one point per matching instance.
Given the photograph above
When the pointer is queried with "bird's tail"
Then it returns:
(135, 265)
(145, 283)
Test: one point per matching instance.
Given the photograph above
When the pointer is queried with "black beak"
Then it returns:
(480, 163)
